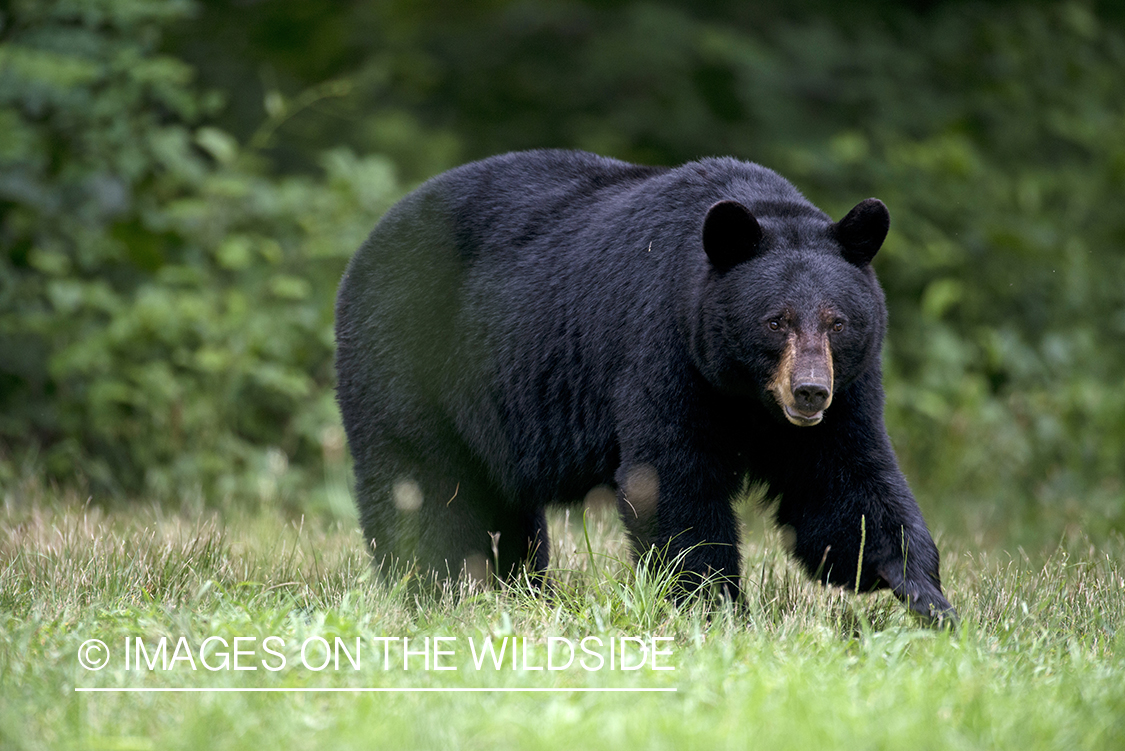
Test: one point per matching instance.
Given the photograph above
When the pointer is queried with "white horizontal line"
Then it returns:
(373, 690)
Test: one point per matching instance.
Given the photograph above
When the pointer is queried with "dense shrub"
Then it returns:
(165, 309)
(165, 314)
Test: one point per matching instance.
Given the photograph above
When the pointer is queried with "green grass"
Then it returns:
(1039, 662)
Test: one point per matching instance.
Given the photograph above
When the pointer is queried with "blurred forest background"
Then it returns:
(182, 183)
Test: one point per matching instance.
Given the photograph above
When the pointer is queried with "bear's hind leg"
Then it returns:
(425, 516)
(446, 521)
(521, 539)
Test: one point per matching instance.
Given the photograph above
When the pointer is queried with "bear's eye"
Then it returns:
(774, 324)
(838, 326)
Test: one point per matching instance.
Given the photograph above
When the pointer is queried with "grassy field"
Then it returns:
(1039, 662)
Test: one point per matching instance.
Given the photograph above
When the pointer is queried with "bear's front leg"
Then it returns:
(853, 515)
(683, 510)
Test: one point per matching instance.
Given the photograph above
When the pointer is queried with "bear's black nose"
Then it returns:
(810, 398)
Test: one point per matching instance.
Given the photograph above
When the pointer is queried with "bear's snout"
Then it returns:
(803, 382)
(810, 398)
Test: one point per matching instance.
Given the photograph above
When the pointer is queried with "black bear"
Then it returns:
(522, 329)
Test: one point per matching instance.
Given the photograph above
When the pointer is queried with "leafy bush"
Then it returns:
(166, 309)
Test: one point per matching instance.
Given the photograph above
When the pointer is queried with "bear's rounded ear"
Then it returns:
(861, 233)
(731, 234)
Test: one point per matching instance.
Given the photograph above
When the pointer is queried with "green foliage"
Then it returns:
(166, 308)
(169, 255)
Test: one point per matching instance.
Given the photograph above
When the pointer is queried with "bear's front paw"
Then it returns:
(923, 598)
(933, 610)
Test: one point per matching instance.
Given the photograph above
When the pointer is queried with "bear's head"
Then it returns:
(790, 308)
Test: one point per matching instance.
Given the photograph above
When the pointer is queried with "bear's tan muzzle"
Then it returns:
(804, 379)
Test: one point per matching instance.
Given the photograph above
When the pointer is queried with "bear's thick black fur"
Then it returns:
(525, 328)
